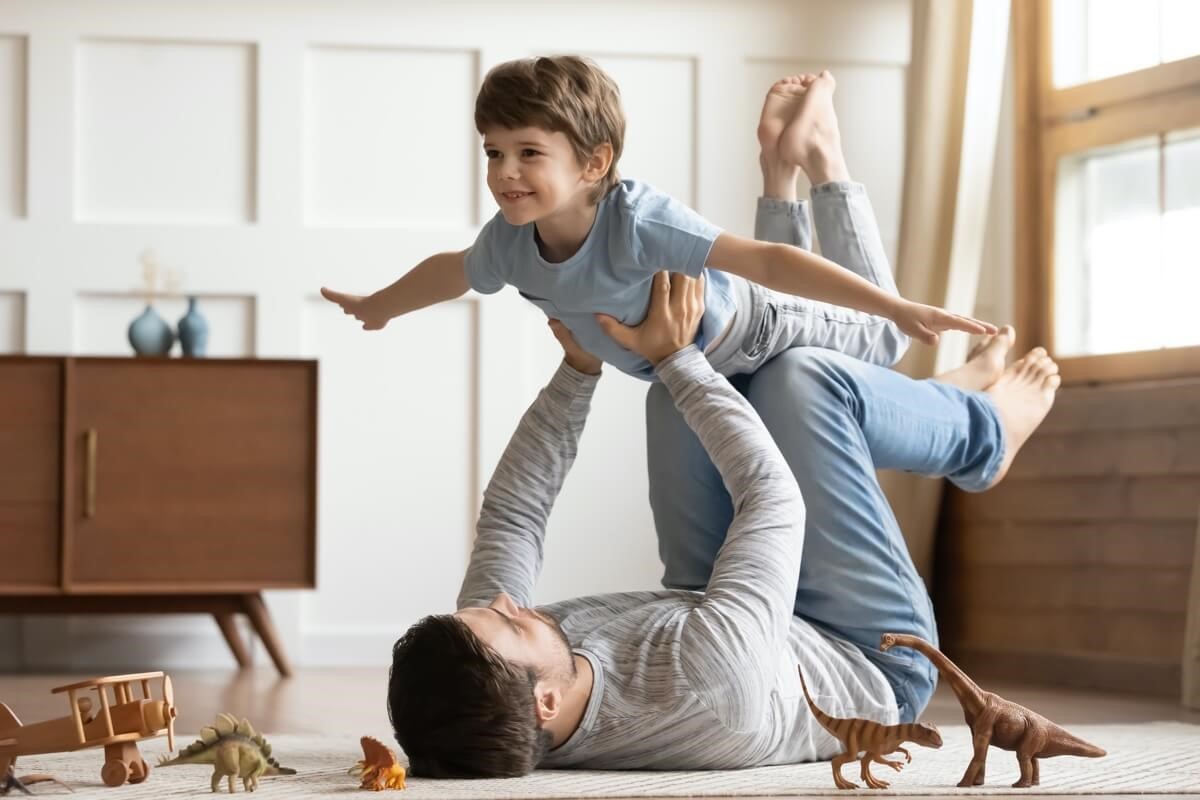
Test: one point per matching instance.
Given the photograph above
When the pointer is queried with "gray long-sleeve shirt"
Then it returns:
(682, 679)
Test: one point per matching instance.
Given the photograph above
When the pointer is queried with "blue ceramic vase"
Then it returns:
(149, 335)
(193, 331)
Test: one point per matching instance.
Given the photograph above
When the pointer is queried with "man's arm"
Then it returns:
(789, 269)
(731, 640)
(507, 556)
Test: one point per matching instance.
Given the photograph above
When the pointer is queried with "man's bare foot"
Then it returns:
(1023, 396)
(984, 364)
(811, 138)
(783, 100)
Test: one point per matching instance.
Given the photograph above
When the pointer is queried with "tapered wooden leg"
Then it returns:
(260, 618)
(232, 638)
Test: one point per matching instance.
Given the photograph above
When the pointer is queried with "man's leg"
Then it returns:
(836, 420)
(699, 519)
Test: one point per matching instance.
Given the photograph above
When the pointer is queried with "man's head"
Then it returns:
(469, 694)
(553, 129)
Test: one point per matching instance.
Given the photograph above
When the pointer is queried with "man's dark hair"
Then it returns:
(459, 709)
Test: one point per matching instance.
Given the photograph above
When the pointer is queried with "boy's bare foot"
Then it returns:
(1023, 396)
(783, 100)
(811, 138)
(984, 364)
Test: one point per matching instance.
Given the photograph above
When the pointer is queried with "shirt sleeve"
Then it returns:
(730, 642)
(486, 264)
(666, 234)
(507, 556)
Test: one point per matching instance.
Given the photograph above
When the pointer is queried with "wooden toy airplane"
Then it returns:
(119, 726)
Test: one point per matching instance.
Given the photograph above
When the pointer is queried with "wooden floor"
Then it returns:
(353, 701)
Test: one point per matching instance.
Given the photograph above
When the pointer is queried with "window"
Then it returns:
(1108, 222)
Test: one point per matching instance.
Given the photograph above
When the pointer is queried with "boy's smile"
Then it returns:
(535, 176)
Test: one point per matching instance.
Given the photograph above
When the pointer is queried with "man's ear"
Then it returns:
(598, 163)
(548, 701)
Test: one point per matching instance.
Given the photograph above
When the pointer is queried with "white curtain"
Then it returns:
(956, 81)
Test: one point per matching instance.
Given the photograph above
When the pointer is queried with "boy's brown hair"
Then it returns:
(567, 94)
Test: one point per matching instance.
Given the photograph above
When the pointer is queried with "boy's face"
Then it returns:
(533, 173)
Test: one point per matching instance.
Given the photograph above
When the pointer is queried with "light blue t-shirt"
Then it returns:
(638, 231)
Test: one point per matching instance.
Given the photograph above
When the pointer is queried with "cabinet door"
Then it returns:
(199, 476)
(30, 474)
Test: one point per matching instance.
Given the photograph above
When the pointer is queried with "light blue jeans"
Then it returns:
(767, 322)
(836, 420)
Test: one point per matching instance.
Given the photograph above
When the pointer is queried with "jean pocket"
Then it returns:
(763, 333)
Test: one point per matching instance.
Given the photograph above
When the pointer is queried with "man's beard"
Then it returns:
(561, 635)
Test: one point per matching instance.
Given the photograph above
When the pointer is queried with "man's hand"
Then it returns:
(924, 323)
(578, 358)
(367, 309)
(676, 306)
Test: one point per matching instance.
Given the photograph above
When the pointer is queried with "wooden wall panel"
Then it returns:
(1076, 570)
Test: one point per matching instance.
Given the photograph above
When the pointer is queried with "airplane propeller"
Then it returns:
(168, 693)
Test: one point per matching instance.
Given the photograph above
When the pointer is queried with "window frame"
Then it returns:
(1051, 123)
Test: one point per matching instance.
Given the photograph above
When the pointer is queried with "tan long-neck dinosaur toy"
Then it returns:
(996, 721)
(873, 739)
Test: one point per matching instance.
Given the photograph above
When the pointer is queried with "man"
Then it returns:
(705, 678)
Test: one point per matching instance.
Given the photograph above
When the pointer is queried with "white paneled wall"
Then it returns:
(164, 132)
(12, 129)
(261, 150)
(12, 322)
(380, 155)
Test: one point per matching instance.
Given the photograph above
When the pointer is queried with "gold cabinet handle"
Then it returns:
(92, 439)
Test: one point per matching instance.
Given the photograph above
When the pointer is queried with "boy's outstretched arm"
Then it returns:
(435, 280)
(789, 269)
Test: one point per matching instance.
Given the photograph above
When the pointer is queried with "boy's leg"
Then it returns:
(798, 131)
(781, 216)
(836, 420)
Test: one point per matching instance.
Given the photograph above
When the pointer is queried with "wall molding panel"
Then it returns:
(13, 111)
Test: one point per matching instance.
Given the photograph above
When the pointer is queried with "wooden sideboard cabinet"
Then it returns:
(144, 485)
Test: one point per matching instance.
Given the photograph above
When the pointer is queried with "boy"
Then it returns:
(583, 245)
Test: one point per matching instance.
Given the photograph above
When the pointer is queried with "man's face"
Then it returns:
(523, 636)
(532, 173)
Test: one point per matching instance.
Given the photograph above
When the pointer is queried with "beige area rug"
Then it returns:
(1154, 758)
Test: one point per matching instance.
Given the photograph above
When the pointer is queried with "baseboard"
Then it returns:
(99, 651)
(10, 650)
(347, 649)
(59, 644)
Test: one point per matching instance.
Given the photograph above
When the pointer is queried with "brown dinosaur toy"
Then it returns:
(996, 721)
(874, 740)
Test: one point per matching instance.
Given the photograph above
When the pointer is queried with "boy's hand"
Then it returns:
(578, 358)
(364, 308)
(676, 306)
(924, 323)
